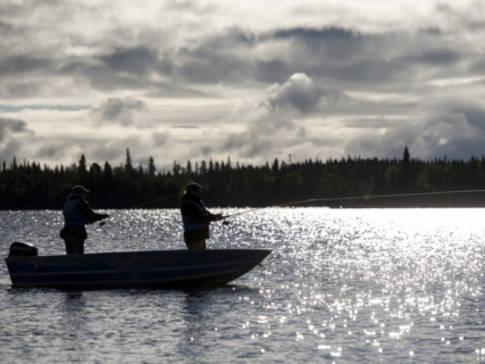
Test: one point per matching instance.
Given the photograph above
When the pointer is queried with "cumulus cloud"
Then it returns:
(13, 133)
(275, 118)
(297, 92)
(237, 56)
(119, 110)
(334, 75)
(10, 126)
(453, 128)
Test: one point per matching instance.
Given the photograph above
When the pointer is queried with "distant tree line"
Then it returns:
(28, 185)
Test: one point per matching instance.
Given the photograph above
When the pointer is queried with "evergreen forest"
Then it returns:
(29, 185)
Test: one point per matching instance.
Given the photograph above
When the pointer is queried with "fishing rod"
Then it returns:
(146, 203)
(360, 197)
(165, 197)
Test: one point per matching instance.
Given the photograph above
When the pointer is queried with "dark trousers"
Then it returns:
(196, 245)
(74, 245)
(74, 237)
(195, 240)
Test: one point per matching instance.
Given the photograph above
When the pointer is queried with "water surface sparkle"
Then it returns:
(341, 285)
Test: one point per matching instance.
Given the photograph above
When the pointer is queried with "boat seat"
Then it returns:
(18, 249)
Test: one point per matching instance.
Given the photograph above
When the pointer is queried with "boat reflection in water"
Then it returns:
(164, 269)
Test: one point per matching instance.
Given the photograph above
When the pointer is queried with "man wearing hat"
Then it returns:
(196, 218)
(77, 213)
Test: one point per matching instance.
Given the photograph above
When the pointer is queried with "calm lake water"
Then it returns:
(344, 286)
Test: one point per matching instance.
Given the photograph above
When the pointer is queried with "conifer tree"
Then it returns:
(406, 157)
(128, 162)
(151, 166)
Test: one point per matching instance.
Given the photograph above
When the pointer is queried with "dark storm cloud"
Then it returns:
(221, 57)
(236, 57)
(213, 69)
(220, 49)
(331, 33)
(351, 57)
(132, 69)
(22, 64)
(136, 68)
(10, 126)
(434, 57)
(226, 57)
(229, 56)
(137, 60)
(331, 42)
(343, 55)
(230, 40)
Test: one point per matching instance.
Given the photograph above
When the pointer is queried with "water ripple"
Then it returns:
(340, 285)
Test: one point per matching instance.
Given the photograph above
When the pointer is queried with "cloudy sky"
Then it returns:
(252, 80)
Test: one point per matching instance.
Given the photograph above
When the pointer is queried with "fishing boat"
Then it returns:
(163, 269)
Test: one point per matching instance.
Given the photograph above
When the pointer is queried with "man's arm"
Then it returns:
(214, 217)
(199, 213)
(90, 215)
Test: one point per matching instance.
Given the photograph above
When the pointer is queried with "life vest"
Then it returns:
(195, 216)
(73, 213)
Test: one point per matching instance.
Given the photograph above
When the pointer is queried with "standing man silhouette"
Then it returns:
(196, 218)
(77, 213)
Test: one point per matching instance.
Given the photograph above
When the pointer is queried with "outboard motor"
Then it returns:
(18, 249)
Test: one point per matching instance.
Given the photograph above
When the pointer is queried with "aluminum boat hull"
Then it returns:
(164, 269)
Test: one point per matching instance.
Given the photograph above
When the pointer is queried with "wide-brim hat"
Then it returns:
(193, 186)
(80, 189)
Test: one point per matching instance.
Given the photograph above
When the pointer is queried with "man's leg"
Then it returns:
(195, 240)
(197, 245)
(74, 245)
